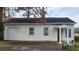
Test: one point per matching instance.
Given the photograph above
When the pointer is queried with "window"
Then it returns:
(46, 31)
(66, 32)
(69, 32)
(31, 31)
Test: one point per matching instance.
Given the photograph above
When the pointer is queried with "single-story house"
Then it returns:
(31, 29)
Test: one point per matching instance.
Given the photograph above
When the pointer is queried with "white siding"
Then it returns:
(38, 33)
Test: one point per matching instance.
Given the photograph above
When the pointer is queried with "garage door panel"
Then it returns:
(13, 33)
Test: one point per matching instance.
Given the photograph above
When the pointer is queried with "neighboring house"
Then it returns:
(29, 29)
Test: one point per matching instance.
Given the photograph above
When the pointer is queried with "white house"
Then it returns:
(29, 29)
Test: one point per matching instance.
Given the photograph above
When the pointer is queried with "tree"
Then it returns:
(1, 13)
(6, 13)
(1, 18)
(1, 23)
(42, 12)
(30, 11)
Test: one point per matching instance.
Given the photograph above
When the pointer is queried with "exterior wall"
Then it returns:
(38, 33)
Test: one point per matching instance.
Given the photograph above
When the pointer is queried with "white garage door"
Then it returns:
(13, 33)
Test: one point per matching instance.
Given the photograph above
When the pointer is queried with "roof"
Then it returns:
(33, 20)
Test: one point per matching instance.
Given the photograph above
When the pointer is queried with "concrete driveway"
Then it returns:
(29, 46)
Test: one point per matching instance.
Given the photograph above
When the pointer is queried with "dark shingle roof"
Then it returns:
(33, 20)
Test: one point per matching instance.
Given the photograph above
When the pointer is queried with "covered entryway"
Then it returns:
(61, 34)
(65, 34)
(13, 33)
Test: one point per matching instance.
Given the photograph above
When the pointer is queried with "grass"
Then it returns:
(72, 48)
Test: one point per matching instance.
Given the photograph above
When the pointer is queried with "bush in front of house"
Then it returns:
(1, 30)
(67, 47)
(64, 45)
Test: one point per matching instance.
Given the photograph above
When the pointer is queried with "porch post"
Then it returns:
(59, 35)
(67, 36)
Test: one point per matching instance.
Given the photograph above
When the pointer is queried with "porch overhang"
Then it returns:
(66, 31)
(63, 26)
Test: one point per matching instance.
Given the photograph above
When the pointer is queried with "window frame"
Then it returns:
(66, 32)
(70, 33)
(31, 31)
(46, 31)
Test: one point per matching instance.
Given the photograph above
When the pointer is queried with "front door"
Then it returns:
(64, 34)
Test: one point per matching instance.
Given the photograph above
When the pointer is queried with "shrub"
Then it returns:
(1, 30)
(64, 45)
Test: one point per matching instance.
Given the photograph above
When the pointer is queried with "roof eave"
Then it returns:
(40, 23)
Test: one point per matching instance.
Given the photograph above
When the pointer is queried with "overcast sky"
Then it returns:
(71, 12)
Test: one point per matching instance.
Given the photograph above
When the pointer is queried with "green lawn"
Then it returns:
(73, 48)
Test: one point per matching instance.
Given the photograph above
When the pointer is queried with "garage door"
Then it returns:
(12, 33)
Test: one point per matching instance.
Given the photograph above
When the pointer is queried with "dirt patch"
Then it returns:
(29, 46)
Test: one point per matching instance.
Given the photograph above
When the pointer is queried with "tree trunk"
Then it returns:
(4, 16)
(1, 13)
(28, 12)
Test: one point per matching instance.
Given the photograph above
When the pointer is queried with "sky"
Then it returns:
(71, 12)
